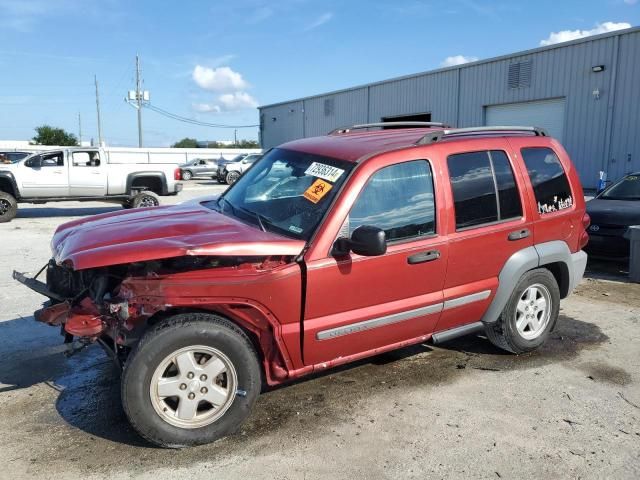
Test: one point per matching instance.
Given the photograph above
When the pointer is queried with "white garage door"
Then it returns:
(548, 114)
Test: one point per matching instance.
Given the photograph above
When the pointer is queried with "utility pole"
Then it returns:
(235, 136)
(79, 129)
(98, 112)
(139, 101)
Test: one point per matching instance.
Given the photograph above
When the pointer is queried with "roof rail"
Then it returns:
(387, 124)
(471, 131)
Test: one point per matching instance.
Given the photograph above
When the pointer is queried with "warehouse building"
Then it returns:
(584, 92)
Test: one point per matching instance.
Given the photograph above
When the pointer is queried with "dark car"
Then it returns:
(612, 212)
(222, 163)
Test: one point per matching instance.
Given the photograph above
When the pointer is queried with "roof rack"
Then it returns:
(387, 124)
(433, 137)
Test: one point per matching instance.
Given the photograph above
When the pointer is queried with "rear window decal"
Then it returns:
(557, 204)
(317, 190)
(326, 172)
(295, 229)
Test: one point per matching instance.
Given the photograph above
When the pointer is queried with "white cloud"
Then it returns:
(221, 79)
(321, 20)
(457, 60)
(567, 35)
(630, 2)
(228, 102)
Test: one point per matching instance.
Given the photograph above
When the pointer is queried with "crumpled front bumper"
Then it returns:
(81, 320)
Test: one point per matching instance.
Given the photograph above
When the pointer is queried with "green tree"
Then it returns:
(186, 143)
(47, 135)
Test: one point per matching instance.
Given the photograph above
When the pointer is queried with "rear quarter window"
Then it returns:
(548, 178)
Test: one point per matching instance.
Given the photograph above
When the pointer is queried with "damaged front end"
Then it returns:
(93, 305)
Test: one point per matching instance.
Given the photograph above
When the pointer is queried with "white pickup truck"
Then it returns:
(83, 174)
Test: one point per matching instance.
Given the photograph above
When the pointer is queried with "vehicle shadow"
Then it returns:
(45, 212)
(607, 269)
(86, 385)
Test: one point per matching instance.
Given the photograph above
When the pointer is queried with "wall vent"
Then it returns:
(519, 74)
(328, 107)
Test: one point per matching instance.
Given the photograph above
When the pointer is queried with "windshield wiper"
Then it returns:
(258, 217)
(234, 209)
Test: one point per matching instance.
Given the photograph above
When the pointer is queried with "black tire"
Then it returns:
(8, 207)
(504, 332)
(168, 336)
(145, 199)
(187, 175)
(232, 177)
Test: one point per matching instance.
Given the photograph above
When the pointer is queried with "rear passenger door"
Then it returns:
(488, 224)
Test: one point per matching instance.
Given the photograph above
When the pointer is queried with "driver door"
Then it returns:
(356, 304)
(45, 175)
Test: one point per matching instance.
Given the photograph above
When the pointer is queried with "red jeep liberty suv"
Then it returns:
(327, 250)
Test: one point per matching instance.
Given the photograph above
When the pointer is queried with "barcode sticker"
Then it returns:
(325, 172)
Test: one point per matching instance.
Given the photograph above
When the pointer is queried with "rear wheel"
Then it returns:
(8, 207)
(191, 379)
(145, 199)
(186, 175)
(232, 177)
(530, 314)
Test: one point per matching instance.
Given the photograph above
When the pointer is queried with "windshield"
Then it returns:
(285, 192)
(626, 189)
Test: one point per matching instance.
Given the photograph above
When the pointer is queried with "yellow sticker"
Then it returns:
(317, 190)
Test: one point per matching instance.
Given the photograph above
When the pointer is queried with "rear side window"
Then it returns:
(549, 180)
(399, 200)
(484, 188)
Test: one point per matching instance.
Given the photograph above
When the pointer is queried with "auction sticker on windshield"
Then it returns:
(317, 190)
(326, 172)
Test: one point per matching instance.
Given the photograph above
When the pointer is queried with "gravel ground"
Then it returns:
(465, 409)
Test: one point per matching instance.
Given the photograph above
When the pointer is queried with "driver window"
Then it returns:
(398, 199)
(86, 159)
(53, 160)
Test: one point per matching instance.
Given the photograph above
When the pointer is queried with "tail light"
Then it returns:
(177, 174)
(584, 236)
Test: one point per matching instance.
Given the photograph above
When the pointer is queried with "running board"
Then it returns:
(446, 335)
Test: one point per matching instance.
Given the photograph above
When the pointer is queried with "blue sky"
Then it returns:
(216, 60)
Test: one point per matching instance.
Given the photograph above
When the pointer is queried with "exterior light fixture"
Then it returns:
(597, 68)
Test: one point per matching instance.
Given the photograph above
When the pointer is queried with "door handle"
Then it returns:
(422, 257)
(519, 234)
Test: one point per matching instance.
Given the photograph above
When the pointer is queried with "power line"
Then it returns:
(193, 121)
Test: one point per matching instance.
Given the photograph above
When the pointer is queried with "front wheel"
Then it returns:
(530, 314)
(192, 379)
(8, 207)
(186, 175)
(232, 177)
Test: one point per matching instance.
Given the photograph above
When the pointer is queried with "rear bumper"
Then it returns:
(576, 268)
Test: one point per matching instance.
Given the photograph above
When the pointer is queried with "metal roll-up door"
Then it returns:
(548, 114)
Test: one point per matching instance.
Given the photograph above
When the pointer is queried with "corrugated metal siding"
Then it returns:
(435, 94)
(349, 108)
(281, 123)
(625, 138)
(460, 96)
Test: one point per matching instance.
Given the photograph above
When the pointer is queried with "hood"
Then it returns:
(614, 212)
(162, 232)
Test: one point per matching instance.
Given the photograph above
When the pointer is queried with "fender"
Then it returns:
(5, 177)
(153, 174)
(539, 255)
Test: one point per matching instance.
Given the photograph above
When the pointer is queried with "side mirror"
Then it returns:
(35, 162)
(365, 240)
